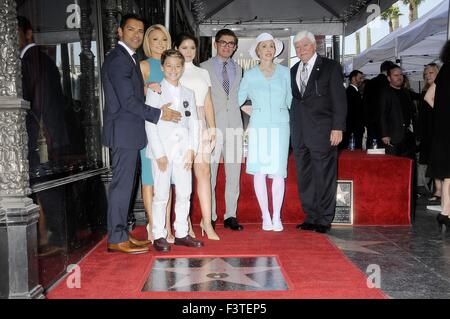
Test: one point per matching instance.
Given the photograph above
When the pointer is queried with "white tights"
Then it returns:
(278, 186)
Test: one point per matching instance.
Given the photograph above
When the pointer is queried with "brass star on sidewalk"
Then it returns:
(343, 196)
(355, 245)
(217, 269)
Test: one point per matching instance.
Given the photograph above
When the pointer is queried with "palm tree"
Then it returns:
(358, 43)
(396, 22)
(368, 37)
(391, 15)
(413, 5)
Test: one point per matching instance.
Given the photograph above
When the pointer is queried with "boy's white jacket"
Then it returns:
(168, 138)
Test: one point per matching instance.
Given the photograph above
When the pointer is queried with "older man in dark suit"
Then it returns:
(317, 118)
(124, 128)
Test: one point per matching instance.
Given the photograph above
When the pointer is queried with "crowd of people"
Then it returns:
(385, 112)
(179, 120)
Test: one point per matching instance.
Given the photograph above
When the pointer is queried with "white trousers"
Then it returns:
(182, 178)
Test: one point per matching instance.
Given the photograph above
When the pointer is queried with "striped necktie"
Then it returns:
(304, 78)
(225, 80)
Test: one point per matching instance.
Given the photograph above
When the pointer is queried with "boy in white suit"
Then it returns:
(172, 148)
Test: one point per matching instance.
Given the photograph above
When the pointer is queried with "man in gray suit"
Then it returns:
(225, 78)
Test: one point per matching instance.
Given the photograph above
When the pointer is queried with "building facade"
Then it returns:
(54, 172)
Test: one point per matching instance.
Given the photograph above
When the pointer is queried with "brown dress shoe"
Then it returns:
(127, 247)
(138, 242)
(161, 244)
(188, 241)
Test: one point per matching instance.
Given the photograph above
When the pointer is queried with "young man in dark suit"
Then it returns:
(355, 121)
(317, 117)
(124, 128)
(396, 116)
(48, 138)
(372, 104)
(41, 86)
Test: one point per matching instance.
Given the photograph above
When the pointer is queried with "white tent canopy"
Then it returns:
(413, 46)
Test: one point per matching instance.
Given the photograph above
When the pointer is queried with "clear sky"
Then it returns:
(380, 28)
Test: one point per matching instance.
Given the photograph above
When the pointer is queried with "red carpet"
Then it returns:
(248, 208)
(381, 188)
(312, 266)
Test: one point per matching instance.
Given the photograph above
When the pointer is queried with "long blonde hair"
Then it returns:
(430, 65)
(160, 27)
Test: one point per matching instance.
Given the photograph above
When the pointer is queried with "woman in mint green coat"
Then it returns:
(268, 86)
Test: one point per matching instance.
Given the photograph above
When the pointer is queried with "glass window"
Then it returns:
(60, 79)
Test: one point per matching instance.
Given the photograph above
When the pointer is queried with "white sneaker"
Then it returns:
(277, 225)
(267, 224)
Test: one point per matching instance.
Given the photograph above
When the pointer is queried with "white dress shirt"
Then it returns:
(309, 67)
(24, 50)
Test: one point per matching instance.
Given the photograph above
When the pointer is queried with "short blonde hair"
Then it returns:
(160, 27)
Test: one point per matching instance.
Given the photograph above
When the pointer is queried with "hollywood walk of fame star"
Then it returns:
(355, 245)
(343, 196)
(217, 269)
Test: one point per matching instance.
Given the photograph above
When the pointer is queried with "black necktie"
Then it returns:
(138, 66)
(136, 62)
(135, 58)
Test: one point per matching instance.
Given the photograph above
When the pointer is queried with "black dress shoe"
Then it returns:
(443, 220)
(189, 242)
(232, 223)
(306, 226)
(322, 228)
(161, 244)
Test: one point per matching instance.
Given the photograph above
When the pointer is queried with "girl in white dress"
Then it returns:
(197, 79)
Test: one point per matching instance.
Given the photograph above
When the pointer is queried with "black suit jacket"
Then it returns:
(125, 110)
(323, 106)
(392, 122)
(371, 100)
(41, 86)
(355, 121)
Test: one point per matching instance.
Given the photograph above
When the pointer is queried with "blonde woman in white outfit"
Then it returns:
(197, 79)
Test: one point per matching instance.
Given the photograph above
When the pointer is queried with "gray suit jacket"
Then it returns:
(226, 108)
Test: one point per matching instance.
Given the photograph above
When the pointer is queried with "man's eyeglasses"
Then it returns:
(225, 43)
